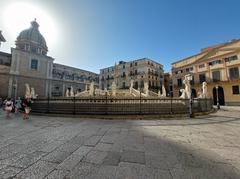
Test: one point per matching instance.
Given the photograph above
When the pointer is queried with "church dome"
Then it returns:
(32, 40)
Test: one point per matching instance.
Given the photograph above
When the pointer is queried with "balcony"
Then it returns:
(202, 69)
(233, 62)
(216, 66)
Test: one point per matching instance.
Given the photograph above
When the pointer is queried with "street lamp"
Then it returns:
(218, 106)
(14, 90)
(189, 78)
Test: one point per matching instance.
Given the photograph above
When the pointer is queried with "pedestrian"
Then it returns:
(8, 106)
(27, 108)
(18, 104)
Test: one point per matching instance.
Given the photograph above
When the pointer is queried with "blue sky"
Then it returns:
(95, 34)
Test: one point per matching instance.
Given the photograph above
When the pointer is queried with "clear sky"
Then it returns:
(94, 34)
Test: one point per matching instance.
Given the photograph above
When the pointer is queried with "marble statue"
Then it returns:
(204, 88)
(91, 90)
(67, 93)
(159, 93)
(131, 86)
(187, 90)
(71, 92)
(163, 91)
(114, 88)
(204, 93)
(33, 94)
(28, 91)
(183, 94)
(146, 90)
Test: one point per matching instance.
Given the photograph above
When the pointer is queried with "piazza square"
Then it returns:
(119, 90)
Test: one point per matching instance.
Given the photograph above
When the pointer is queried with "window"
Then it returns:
(135, 72)
(123, 66)
(189, 69)
(201, 66)
(34, 64)
(178, 72)
(123, 75)
(215, 62)
(232, 58)
(123, 85)
(192, 81)
(130, 64)
(135, 63)
(202, 78)
(179, 82)
(235, 89)
(234, 73)
(216, 76)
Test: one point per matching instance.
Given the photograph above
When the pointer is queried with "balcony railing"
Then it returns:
(216, 66)
(233, 62)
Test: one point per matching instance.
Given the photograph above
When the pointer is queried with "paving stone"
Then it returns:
(133, 171)
(133, 157)
(112, 158)
(12, 159)
(83, 170)
(83, 150)
(95, 157)
(68, 147)
(28, 160)
(37, 170)
(70, 162)
(106, 172)
(9, 172)
(56, 156)
(92, 141)
(79, 140)
(50, 146)
(154, 161)
(103, 146)
(54, 147)
(57, 174)
(109, 139)
(10, 150)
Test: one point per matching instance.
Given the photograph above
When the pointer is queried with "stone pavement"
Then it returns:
(54, 147)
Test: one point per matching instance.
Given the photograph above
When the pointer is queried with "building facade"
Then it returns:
(29, 63)
(219, 66)
(2, 39)
(140, 71)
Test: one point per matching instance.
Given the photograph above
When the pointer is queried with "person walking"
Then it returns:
(18, 105)
(8, 106)
(27, 108)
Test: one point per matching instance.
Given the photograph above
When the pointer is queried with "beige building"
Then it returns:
(219, 66)
(29, 63)
(140, 71)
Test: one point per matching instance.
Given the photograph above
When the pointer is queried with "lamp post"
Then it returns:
(218, 106)
(140, 102)
(14, 90)
(191, 115)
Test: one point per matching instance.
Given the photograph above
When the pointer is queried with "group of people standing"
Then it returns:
(17, 105)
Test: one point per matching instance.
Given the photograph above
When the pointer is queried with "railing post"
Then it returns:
(106, 103)
(171, 104)
(140, 103)
(191, 107)
(74, 105)
(48, 99)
